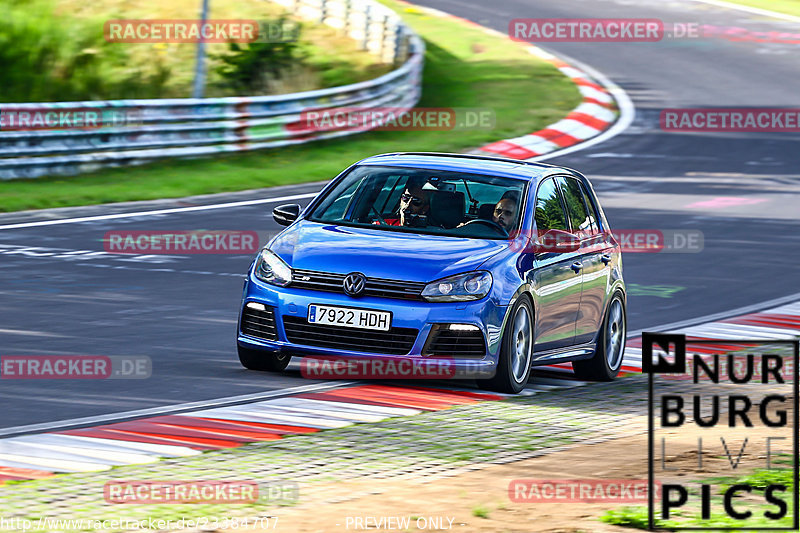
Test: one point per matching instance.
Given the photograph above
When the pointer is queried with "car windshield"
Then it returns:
(424, 201)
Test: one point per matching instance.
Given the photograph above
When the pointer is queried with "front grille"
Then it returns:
(455, 343)
(259, 324)
(396, 341)
(377, 287)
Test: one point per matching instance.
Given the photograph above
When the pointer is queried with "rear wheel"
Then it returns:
(263, 360)
(607, 359)
(514, 363)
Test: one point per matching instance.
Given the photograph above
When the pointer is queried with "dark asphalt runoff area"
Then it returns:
(58, 297)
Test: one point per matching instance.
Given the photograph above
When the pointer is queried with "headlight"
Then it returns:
(459, 288)
(271, 268)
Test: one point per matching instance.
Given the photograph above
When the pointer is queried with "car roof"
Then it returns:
(477, 164)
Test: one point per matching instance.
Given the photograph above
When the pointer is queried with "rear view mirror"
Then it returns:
(286, 214)
(556, 241)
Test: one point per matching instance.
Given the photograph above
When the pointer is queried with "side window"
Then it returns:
(389, 196)
(337, 209)
(573, 198)
(549, 212)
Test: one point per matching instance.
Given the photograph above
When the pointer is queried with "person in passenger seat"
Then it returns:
(505, 212)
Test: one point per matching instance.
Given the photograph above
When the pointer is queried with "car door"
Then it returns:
(594, 254)
(556, 278)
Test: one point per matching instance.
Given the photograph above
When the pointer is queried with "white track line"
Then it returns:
(157, 211)
(169, 409)
(748, 9)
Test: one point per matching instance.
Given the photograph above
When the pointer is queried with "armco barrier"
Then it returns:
(193, 127)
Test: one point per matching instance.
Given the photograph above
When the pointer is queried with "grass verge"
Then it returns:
(790, 7)
(464, 68)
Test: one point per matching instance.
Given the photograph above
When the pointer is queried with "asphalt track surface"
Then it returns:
(181, 311)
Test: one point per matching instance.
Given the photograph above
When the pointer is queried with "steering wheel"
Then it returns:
(491, 223)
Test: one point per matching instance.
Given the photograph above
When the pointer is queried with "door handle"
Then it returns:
(576, 266)
(605, 258)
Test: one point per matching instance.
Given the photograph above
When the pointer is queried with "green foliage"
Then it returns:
(249, 68)
(45, 56)
(627, 517)
(480, 511)
(762, 478)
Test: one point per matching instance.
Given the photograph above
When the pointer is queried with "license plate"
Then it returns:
(349, 317)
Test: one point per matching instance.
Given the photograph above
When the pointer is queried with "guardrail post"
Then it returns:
(398, 43)
(348, 12)
(384, 35)
(367, 21)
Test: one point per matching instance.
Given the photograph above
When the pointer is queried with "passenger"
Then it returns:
(505, 212)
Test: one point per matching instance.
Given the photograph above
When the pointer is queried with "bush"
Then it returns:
(249, 69)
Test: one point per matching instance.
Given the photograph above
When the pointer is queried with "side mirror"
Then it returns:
(286, 214)
(556, 241)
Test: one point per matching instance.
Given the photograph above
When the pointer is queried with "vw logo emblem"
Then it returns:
(353, 284)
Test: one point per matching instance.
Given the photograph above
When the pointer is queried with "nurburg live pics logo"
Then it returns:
(719, 383)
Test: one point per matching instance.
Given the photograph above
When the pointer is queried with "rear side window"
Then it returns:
(582, 213)
(592, 211)
(574, 201)
(549, 212)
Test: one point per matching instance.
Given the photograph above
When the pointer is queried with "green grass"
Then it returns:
(790, 7)
(636, 517)
(464, 68)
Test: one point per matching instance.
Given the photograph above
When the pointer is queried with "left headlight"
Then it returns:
(459, 288)
(271, 268)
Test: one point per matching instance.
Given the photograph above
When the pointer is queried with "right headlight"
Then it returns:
(459, 288)
(272, 269)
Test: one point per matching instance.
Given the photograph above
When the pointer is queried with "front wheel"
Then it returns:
(514, 364)
(263, 360)
(607, 359)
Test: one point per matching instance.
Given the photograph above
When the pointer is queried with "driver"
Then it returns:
(413, 201)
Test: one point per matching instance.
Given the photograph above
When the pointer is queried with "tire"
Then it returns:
(514, 364)
(607, 359)
(263, 360)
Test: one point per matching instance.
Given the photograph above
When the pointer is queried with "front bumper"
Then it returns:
(425, 317)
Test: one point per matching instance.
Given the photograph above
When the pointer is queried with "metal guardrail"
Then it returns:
(194, 127)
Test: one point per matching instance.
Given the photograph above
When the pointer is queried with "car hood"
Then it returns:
(380, 253)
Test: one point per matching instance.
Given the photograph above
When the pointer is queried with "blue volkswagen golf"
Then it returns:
(493, 265)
